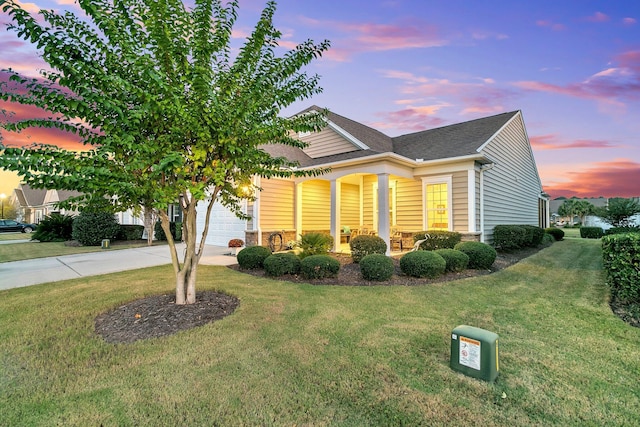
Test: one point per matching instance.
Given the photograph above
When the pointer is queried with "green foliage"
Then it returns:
(547, 239)
(174, 227)
(130, 232)
(481, 256)
(437, 239)
(622, 230)
(376, 267)
(557, 233)
(534, 235)
(423, 264)
(591, 232)
(253, 257)
(282, 263)
(455, 260)
(575, 207)
(619, 211)
(517, 236)
(54, 228)
(364, 245)
(319, 267)
(90, 228)
(621, 260)
(315, 244)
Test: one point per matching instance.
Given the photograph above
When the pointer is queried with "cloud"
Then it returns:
(598, 17)
(550, 24)
(411, 118)
(616, 178)
(553, 142)
(629, 21)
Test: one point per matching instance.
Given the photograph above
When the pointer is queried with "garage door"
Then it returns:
(223, 225)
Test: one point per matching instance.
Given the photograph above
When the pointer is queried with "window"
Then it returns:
(438, 204)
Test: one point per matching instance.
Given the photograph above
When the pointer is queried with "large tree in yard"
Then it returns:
(167, 111)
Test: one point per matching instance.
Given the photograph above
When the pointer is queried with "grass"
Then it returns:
(322, 355)
(30, 250)
(14, 236)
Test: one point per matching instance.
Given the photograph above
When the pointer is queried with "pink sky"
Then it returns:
(572, 67)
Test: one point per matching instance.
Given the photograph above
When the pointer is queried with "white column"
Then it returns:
(335, 213)
(383, 209)
(297, 209)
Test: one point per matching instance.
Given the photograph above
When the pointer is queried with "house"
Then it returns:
(467, 177)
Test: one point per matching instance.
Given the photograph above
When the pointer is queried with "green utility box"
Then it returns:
(474, 352)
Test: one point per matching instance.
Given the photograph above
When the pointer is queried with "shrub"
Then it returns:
(481, 256)
(534, 235)
(364, 245)
(174, 227)
(508, 237)
(423, 264)
(621, 230)
(621, 257)
(130, 232)
(455, 260)
(54, 228)
(591, 232)
(319, 267)
(376, 267)
(315, 244)
(282, 263)
(547, 239)
(437, 239)
(90, 228)
(252, 257)
(557, 233)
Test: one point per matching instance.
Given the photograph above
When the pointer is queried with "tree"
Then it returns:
(618, 211)
(166, 113)
(572, 207)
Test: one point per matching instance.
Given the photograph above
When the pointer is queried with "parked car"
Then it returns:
(11, 225)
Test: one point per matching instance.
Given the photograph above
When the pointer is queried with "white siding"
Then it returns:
(512, 186)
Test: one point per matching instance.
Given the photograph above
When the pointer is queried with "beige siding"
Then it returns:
(326, 143)
(276, 204)
(409, 205)
(460, 199)
(350, 206)
(367, 200)
(512, 186)
(316, 205)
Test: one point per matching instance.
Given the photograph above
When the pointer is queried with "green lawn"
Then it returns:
(321, 355)
(14, 236)
(30, 250)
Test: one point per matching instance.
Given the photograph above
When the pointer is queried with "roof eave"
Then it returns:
(396, 158)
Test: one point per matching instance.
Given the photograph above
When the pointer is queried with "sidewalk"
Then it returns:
(43, 270)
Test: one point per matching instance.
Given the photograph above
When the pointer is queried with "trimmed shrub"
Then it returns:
(319, 267)
(456, 260)
(130, 232)
(174, 227)
(315, 244)
(364, 245)
(90, 228)
(423, 264)
(282, 263)
(591, 232)
(253, 257)
(437, 239)
(481, 256)
(534, 235)
(621, 258)
(621, 230)
(376, 267)
(547, 239)
(557, 233)
(508, 237)
(54, 228)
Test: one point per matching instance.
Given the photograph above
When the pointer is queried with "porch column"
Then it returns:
(383, 210)
(298, 190)
(335, 213)
(471, 200)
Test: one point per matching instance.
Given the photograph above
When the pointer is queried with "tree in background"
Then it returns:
(165, 112)
(575, 207)
(619, 211)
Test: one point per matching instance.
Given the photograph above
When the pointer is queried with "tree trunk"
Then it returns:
(150, 218)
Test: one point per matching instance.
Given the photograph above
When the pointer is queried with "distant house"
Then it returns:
(34, 204)
(467, 177)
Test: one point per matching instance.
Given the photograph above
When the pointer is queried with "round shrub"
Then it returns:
(90, 228)
(253, 257)
(376, 267)
(557, 233)
(481, 256)
(423, 264)
(319, 267)
(364, 245)
(282, 263)
(547, 239)
(456, 260)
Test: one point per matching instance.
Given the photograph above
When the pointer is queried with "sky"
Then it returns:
(572, 67)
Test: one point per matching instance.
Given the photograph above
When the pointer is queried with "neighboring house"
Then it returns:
(467, 177)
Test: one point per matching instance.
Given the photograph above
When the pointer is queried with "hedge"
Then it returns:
(517, 236)
(591, 232)
(557, 233)
(437, 239)
(621, 230)
(130, 232)
(621, 259)
(90, 228)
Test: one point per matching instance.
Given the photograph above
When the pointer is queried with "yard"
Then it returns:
(297, 354)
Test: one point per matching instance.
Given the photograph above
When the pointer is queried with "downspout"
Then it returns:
(482, 169)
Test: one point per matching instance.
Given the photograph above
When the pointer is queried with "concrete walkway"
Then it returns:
(43, 270)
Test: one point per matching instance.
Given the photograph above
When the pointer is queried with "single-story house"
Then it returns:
(34, 204)
(467, 177)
